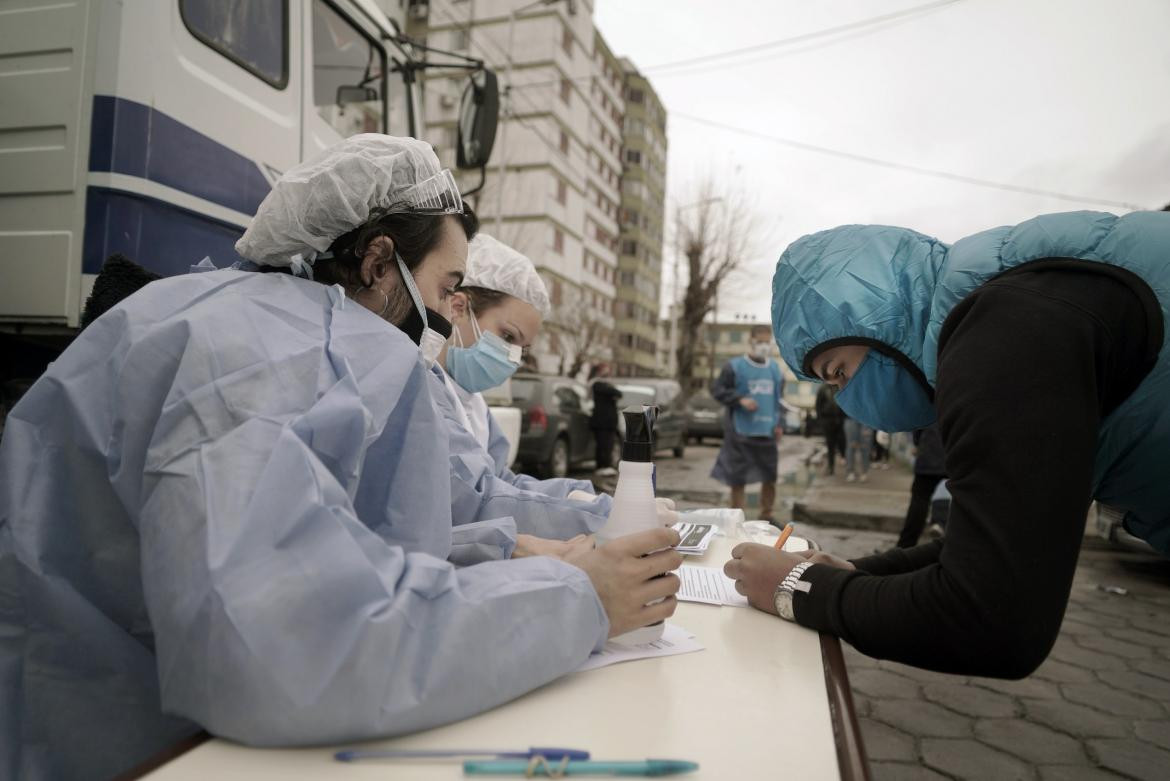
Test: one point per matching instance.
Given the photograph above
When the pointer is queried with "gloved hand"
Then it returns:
(667, 515)
(577, 495)
(627, 575)
(528, 545)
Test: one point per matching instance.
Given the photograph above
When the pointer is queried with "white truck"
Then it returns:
(154, 128)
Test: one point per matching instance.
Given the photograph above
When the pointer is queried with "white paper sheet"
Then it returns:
(708, 585)
(674, 640)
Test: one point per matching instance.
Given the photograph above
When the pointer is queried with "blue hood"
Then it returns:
(868, 282)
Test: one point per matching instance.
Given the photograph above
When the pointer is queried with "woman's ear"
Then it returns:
(460, 305)
(377, 260)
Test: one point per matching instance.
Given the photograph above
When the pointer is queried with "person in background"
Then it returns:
(226, 505)
(858, 444)
(751, 387)
(832, 421)
(1041, 351)
(928, 473)
(604, 419)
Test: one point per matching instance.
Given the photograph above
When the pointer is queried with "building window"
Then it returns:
(460, 39)
(566, 90)
(562, 192)
(635, 95)
(633, 156)
(564, 143)
(567, 41)
(252, 35)
(558, 241)
(630, 247)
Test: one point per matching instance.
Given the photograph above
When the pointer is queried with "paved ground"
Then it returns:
(1098, 708)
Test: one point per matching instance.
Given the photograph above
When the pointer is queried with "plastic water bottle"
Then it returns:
(634, 509)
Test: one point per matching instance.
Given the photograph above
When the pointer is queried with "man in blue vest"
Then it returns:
(1040, 349)
(751, 387)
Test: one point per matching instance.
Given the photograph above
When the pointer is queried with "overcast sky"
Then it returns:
(1066, 96)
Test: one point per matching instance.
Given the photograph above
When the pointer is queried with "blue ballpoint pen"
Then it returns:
(553, 754)
(513, 767)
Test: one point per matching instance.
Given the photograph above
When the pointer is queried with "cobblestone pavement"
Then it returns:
(1098, 708)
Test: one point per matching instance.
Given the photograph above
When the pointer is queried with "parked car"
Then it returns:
(507, 416)
(671, 428)
(554, 425)
(705, 418)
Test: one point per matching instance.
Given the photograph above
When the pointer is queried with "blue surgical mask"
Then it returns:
(884, 395)
(485, 364)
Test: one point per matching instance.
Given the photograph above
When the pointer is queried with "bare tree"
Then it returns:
(578, 330)
(715, 234)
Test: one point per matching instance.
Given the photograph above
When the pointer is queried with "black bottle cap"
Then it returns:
(639, 442)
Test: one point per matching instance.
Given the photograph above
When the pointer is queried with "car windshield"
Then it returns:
(636, 394)
(524, 388)
(704, 402)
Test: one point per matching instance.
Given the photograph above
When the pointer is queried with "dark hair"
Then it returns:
(414, 235)
(483, 299)
(760, 328)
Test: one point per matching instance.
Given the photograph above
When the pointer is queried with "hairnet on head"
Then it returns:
(494, 265)
(346, 186)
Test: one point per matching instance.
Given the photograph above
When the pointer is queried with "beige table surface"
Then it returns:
(753, 705)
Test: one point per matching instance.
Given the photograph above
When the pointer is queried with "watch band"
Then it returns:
(793, 581)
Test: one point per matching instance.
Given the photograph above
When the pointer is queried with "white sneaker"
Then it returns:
(849, 478)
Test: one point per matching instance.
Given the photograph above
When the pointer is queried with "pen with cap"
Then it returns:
(552, 769)
(557, 754)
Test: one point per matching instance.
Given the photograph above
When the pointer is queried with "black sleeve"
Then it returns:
(1018, 394)
(897, 560)
(723, 389)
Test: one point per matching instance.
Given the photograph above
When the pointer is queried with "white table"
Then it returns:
(757, 703)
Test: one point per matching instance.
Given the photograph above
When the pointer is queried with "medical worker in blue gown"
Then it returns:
(227, 504)
(496, 313)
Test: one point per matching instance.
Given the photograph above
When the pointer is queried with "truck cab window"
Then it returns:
(349, 74)
(254, 35)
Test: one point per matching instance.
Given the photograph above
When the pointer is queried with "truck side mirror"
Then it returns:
(355, 94)
(479, 114)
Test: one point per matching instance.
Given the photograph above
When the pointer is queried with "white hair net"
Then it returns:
(494, 265)
(346, 186)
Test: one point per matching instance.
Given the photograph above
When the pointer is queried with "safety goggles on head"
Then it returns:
(437, 195)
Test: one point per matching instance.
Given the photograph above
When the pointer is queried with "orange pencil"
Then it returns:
(784, 535)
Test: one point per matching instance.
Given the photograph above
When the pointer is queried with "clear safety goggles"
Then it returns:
(437, 195)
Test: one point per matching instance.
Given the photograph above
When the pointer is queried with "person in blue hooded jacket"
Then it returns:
(227, 504)
(1040, 351)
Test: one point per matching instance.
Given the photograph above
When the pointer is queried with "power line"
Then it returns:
(910, 168)
(809, 36)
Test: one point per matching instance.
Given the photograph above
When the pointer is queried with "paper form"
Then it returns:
(708, 585)
(674, 640)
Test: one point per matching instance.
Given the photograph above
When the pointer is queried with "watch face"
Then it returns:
(783, 603)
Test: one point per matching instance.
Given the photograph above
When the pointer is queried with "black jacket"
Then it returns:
(605, 412)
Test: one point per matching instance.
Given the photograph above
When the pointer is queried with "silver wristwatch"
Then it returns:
(782, 599)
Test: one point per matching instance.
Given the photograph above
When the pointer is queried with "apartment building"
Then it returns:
(644, 148)
(553, 186)
(545, 192)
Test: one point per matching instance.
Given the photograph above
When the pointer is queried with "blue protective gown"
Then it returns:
(227, 505)
(483, 487)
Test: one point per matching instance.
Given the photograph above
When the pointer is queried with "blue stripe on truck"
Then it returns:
(134, 139)
(158, 235)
